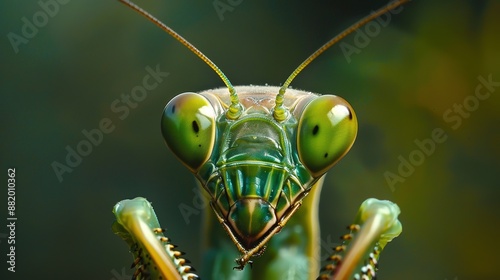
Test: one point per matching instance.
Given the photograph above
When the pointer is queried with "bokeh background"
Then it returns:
(65, 78)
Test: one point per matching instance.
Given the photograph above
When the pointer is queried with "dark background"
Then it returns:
(66, 77)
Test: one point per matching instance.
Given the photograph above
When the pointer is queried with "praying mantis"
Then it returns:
(261, 154)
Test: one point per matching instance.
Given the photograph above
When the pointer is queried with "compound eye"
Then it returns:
(326, 131)
(188, 127)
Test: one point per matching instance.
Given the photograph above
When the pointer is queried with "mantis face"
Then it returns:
(256, 169)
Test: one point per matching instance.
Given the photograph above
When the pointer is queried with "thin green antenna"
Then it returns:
(280, 112)
(235, 109)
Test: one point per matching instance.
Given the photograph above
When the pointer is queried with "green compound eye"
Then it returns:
(188, 127)
(327, 129)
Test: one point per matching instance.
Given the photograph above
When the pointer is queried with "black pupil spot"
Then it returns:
(173, 109)
(326, 155)
(315, 129)
(350, 115)
(196, 128)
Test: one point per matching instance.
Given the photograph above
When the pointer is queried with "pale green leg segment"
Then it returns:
(375, 225)
(154, 256)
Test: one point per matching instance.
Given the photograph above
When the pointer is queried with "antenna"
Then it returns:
(235, 109)
(280, 112)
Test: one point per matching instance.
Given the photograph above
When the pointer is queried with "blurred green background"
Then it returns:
(412, 71)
